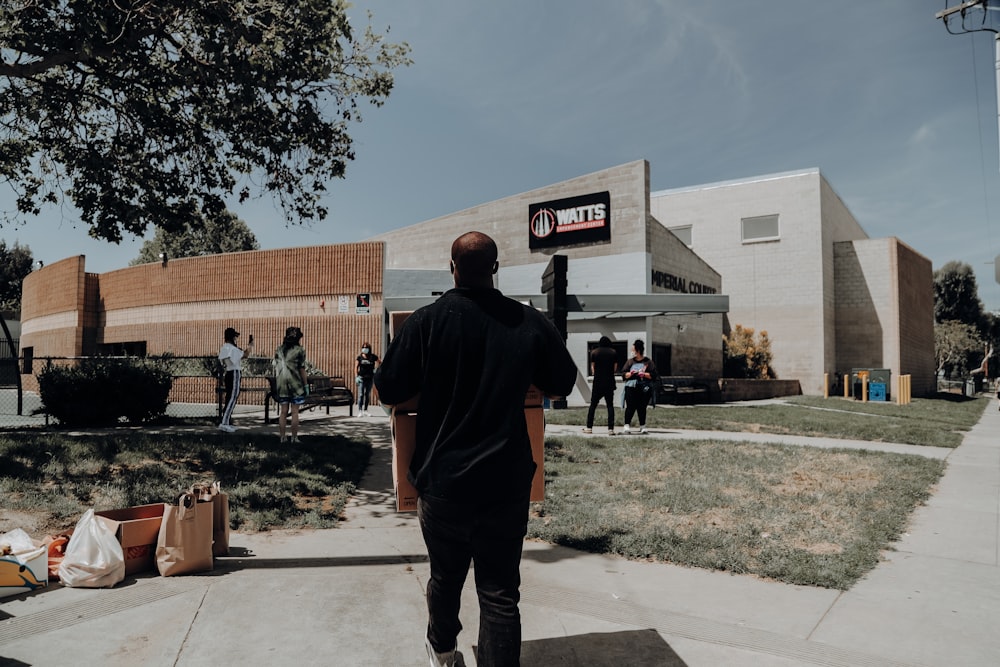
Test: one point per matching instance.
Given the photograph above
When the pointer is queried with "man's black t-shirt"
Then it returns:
(471, 356)
(605, 359)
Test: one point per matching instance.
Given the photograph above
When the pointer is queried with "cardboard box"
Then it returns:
(534, 415)
(137, 529)
(17, 577)
(404, 442)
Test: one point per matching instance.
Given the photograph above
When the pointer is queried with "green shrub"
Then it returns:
(102, 392)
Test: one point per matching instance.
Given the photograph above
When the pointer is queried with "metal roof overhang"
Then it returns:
(597, 306)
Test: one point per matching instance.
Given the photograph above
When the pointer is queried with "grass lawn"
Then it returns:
(939, 422)
(796, 514)
(54, 477)
(801, 515)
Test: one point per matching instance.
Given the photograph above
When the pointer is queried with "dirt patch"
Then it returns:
(35, 523)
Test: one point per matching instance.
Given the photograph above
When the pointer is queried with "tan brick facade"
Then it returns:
(182, 307)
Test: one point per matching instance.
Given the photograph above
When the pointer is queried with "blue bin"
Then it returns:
(876, 391)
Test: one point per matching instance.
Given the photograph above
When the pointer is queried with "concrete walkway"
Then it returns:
(354, 595)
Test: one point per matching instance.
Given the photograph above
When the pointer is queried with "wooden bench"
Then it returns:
(248, 386)
(323, 392)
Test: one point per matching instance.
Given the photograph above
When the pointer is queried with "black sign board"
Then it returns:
(570, 221)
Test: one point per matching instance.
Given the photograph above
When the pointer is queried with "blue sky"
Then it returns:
(899, 115)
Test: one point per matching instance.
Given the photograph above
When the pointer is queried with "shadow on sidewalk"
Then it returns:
(598, 649)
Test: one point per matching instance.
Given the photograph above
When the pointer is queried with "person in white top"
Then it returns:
(231, 357)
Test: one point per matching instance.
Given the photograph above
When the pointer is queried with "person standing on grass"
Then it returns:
(231, 357)
(471, 357)
(364, 371)
(604, 367)
(290, 379)
(638, 376)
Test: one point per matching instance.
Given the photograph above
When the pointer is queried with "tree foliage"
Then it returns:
(958, 348)
(143, 112)
(225, 233)
(746, 355)
(15, 264)
(956, 295)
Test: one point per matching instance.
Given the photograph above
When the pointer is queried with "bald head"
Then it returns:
(474, 260)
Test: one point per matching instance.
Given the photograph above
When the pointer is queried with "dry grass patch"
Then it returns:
(48, 480)
(797, 514)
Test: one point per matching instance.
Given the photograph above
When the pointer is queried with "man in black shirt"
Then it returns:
(471, 356)
(603, 366)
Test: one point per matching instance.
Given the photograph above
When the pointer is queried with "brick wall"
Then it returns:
(183, 308)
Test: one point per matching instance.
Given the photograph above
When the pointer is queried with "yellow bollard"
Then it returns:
(826, 385)
(864, 389)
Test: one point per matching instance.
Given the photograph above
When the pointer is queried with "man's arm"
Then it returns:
(398, 377)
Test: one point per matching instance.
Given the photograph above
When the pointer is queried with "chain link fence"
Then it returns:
(197, 389)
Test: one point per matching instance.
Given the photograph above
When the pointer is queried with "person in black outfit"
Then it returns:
(638, 374)
(471, 357)
(603, 366)
(364, 371)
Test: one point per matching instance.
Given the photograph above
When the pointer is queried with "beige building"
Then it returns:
(796, 263)
(629, 254)
(784, 250)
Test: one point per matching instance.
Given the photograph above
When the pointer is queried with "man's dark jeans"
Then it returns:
(491, 536)
(595, 399)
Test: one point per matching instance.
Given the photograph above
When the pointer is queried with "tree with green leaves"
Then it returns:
(956, 295)
(225, 233)
(142, 112)
(958, 348)
(15, 264)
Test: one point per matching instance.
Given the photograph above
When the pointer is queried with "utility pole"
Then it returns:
(968, 14)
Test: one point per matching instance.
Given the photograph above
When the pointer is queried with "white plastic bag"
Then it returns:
(94, 558)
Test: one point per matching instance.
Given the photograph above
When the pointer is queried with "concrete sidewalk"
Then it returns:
(354, 595)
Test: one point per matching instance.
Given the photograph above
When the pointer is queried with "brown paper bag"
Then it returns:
(220, 515)
(184, 544)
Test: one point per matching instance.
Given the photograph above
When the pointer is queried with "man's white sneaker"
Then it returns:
(642, 429)
(228, 428)
(626, 429)
(588, 430)
(452, 658)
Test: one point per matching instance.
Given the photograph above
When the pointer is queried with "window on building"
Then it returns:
(27, 360)
(683, 233)
(661, 357)
(129, 349)
(620, 347)
(760, 228)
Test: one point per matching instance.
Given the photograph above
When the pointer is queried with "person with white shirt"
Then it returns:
(231, 357)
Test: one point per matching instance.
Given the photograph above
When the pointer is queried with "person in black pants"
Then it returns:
(639, 374)
(231, 358)
(604, 367)
(364, 372)
(472, 464)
